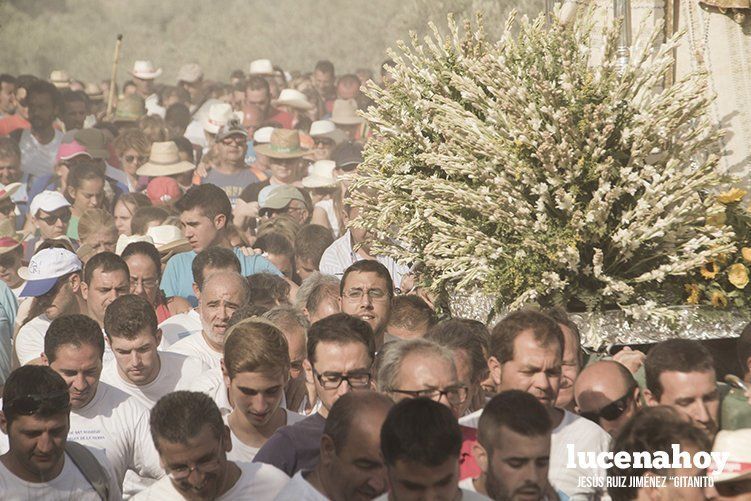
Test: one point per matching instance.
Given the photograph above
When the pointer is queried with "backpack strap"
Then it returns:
(90, 467)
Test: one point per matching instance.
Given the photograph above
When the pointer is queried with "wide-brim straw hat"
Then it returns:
(344, 112)
(60, 79)
(168, 239)
(321, 175)
(164, 160)
(145, 70)
(294, 99)
(285, 143)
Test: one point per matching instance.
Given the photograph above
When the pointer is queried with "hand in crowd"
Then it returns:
(632, 359)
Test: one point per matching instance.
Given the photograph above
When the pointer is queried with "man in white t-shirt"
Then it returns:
(193, 442)
(105, 278)
(350, 465)
(40, 463)
(223, 293)
(138, 368)
(39, 144)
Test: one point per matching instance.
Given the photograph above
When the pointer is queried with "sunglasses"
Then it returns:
(7, 209)
(612, 411)
(132, 158)
(31, 404)
(238, 140)
(53, 218)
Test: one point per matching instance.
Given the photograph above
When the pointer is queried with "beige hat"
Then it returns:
(190, 73)
(219, 115)
(60, 79)
(321, 175)
(94, 92)
(285, 143)
(130, 108)
(737, 444)
(263, 135)
(145, 70)
(262, 67)
(124, 240)
(164, 160)
(294, 99)
(327, 129)
(345, 112)
(168, 238)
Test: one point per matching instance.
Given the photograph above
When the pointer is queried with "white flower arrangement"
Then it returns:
(520, 168)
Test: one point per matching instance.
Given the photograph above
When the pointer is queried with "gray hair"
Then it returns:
(312, 286)
(393, 354)
(286, 316)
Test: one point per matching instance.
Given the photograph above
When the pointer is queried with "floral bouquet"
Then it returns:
(519, 168)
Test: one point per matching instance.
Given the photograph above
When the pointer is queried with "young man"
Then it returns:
(193, 442)
(105, 278)
(40, 462)
(40, 143)
(366, 291)
(205, 213)
(139, 369)
(341, 352)
(351, 466)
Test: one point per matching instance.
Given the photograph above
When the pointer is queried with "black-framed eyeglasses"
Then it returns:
(209, 466)
(456, 395)
(63, 216)
(27, 405)
(333, 380)
(612, 411)
(7, 209)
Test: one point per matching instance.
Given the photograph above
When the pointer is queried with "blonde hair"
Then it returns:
(283, 225)
(131, 138)
(154, 128)
(255, 345)
(94, 221)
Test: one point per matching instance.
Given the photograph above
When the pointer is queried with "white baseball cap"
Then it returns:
(45, 268)
(48, 201)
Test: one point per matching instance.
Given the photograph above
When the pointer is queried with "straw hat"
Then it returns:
(321, 175)
(10, 239)
(94, 92)
(60, 79)
(164, 160)
(190, 73)
(124, 240)
(168, 239)
(737, 444)
(219, 115)
(345, 112)
(294, 99)
(285, 143)
(130, 108)
(145, 70)
(262, 67)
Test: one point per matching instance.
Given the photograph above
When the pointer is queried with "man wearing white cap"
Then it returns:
(144, 74)
(190, 78)
(50, 214)
(734, 480)
(53, 279)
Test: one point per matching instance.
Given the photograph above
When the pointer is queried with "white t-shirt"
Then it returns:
(468, 484)
(211, 382)
(153, 107)
(300, 489)
(196, 346)
(177, 372)
(69, 484)
(258, 482)
(466, 496)
(339, 256)
(243, 452)
(38, 159)
(30, 339)
(178, 327)
(327, 206)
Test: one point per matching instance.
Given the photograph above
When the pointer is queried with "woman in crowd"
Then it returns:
(97, 231)
(125, 206)
(132, 149)
(85, 190)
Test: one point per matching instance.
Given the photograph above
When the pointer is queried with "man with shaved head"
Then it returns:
(607, 394)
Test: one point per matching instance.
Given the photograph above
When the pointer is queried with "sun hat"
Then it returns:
(8, 190)
(96, 142)
(737, 444)
(231, 128)
(45, 268)
(284, 143)
(48, 201)
(125, 240)
(263, 135)
(321, 175)
(67, 151)
(145, 70)
(130, 108)
(346, 154)
(281, 196)
(294, 99)
(94, 92)
(344, 112)
(9, 238)
(321, 127)
(189, 73)
(220, 114)
(163, 190)
(60, 79)
(262, 67)
(167, 238)
(164, 160)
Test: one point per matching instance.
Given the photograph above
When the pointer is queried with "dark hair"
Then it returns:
(216, 257)
(461, 334)
(127, 316)
(561, 317)
(210, 199)
(144, 249)
(340, 328)
(744, 348)
(43, 87)
(349, 80)
(311, 242)
(275, 243)
(257, 82)
(137, 200)
(6, 78)
(181, 415)
(75, 329)
(74, 96)
(105, 261)
(185, 146)
(144, 215)
(32, 380)
(518, 411)
(178, 115)
(267, 289)
(255, 346)
(84, 170)
(675, 355)
(411, 312)
(369, 266)
(545, 330)
(325, 66)
(248, 310)
(652, 429)
(422, 431)
(350, 409)
(9, 148)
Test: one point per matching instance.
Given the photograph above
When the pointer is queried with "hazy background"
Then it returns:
(37, 36)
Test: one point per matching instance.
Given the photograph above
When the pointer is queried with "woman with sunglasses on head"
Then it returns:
(132, 149)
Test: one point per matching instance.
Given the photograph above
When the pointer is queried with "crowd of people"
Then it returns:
(186, 312)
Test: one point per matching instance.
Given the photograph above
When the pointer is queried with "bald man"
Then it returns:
(607, 393)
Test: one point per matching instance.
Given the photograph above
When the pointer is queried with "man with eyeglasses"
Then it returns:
(229, 170)
(193, 441)
(606, 393)
(285, 200)
(341, 351)
(40, 462)
(366, 291)
(50, 213)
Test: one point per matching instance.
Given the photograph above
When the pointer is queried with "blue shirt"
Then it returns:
(177, 279)
(8, 308)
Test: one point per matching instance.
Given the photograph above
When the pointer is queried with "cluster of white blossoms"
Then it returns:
(519, 167)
